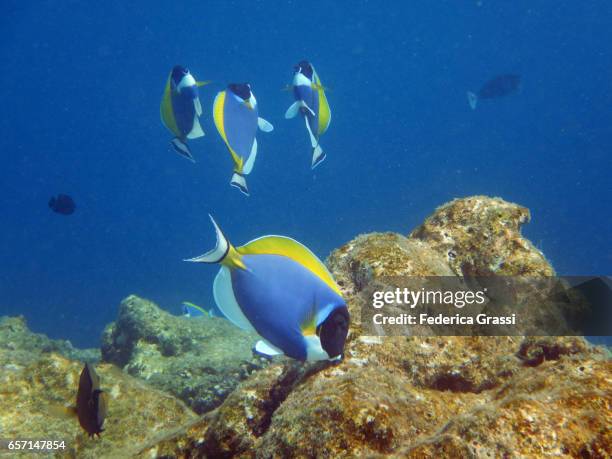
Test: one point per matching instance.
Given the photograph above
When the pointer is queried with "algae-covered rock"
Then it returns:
(369, 260)
(408, 396)
(559, 409)
(16, 337)
(200, 360)
(357, 409)
(474, 241)
(36, 387)
(375, 255)
(480, 235)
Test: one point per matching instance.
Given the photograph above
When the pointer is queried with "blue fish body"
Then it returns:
(240, 123)
(310, 97)
(184, 109)
(279, 297)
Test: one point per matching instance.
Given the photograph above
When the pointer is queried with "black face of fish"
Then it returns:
(62, 204)
(178, 72)
(91, 402)
(304, 68)
(332, 332)
(242, 90)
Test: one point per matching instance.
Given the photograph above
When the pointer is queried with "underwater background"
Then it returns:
(81, 86)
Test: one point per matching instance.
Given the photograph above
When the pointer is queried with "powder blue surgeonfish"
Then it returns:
(278, 288)
(190, 309)
(311, 102)
(180, 109)
(237, 118)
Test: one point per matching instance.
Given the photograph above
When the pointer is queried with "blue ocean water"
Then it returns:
(81, 84)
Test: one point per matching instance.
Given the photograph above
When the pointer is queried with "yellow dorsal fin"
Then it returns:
(285, 246)
(320, 86)
(166, 111)
(218, 116)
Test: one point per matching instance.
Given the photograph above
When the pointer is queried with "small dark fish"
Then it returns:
(499, 86)
(91, 402)
(62, 204)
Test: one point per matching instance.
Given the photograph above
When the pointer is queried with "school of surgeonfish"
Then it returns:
(236, 116)
(236, 113)
(279, 289)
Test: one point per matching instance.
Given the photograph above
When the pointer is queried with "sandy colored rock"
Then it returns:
(20, 341)
(35, 392)
(369, 260)
(370, 256)
(481, 236)
(355, 409)
(199, 360)
(560, 409)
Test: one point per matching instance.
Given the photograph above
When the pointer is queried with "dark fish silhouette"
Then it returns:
(91, 402)
(62, 204)
(499, 86)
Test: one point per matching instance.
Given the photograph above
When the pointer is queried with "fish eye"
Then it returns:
(185, 71)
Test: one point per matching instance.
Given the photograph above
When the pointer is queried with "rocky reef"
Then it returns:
(407, 396)
(395, 396)
(481, 235)
(199, 360)
(38, 384)
(17, 339)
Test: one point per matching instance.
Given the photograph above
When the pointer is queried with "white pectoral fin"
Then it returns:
(313, 140)
(264, 125)
(198, 106)
(196, 130)
(304, 105)
(318, 155)
(267, 349)
(293, 110)
(314, 350)
(221, 249)
(250, 162)
(226, 301)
